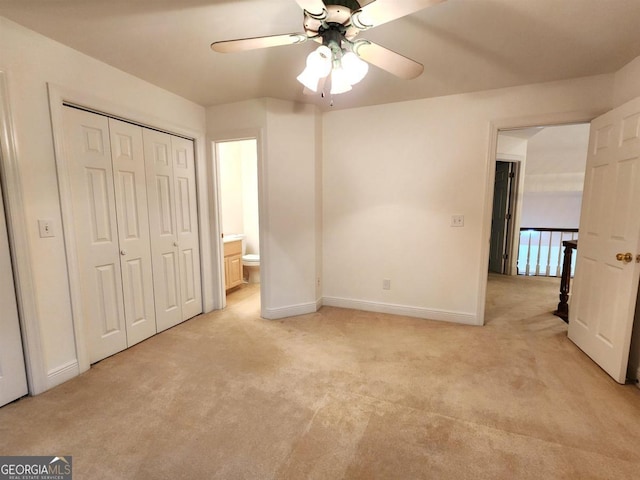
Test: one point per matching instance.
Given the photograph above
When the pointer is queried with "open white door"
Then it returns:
(607, 270)
(13, 379)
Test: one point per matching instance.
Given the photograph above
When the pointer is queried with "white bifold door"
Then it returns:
(106, 166)
(113, 221)
(605, 289)
(13, 379)
(174, 227)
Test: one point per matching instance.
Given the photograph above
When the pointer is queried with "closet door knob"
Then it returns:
(123, 252)
(175, 244)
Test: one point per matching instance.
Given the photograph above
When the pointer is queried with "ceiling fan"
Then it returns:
(335, 24)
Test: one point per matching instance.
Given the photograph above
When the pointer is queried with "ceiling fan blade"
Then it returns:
(383, 11)
(388, 60)
(315, 8)
(244, 44)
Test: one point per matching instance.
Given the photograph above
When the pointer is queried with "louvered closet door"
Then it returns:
(187, 226)
(94, 218)
(133, 230)
(173, 227)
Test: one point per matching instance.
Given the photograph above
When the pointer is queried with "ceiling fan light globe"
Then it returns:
(339, 81)
(309, 79)
(354, 68)
(321, 60)
(318, 66)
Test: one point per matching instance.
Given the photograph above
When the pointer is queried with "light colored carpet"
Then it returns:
(343, 394)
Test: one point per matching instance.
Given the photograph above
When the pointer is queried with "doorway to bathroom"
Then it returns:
(237, 163)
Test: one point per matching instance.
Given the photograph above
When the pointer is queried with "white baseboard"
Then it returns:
(418, 312)
(290, 311)
(62, 373)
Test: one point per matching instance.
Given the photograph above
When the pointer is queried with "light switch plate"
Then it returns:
(46, 228)
(457, 220)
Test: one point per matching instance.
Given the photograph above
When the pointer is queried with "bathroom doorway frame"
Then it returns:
(250, 134)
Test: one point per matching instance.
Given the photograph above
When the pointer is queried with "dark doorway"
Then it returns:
(501, 218)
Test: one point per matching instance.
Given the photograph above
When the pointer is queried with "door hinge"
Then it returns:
(512, 174)
(505, 256)
(507, 216)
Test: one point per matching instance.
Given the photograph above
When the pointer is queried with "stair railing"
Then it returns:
(540, 251)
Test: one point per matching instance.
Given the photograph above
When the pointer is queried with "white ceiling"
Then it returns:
(465, 45)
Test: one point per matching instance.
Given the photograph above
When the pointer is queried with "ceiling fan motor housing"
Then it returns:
(338, 12)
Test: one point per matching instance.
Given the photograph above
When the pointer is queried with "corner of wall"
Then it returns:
(626, 83)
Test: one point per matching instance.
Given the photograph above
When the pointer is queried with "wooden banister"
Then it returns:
(565, 282)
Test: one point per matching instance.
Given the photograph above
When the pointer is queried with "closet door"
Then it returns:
(13, 379)
(88, 150)
(187, 226)
(173, 224)
(162, 227)
(133, 230)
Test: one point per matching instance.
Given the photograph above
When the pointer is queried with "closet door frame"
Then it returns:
(209, 259)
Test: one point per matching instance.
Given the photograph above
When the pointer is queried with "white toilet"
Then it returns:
(250, 265)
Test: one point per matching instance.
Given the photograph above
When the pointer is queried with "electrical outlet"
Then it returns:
(386, 284)
(457, 220)
(45, 228)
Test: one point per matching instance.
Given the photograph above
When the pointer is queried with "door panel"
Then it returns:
(13, 379)
(92, 190)
(133, 230)
(605, 288)
(499, 217)
(187, 221)
(162, 227)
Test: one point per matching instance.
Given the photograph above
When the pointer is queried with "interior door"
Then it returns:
(607, 271)
(500, 217)
(13, 379)
(95, 223)
(133, 230)
(187, 226)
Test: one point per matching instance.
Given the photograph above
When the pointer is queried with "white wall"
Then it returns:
(230, 160)
(395, 174)
(554, 176)
(627, 83)
(510, 148)
(31, 61)
(239, 190)
(288, 137)
(250, 213)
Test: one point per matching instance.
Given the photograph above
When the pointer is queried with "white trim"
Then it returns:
(289, 311)
(256, 134)
(509, 157)
(560, 118)
(405, 310)
(20, 247)
(62, 373)
(58, 96)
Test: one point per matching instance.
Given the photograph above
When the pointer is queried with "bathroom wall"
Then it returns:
(231, 204)
(239, 190)
(250, 216)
